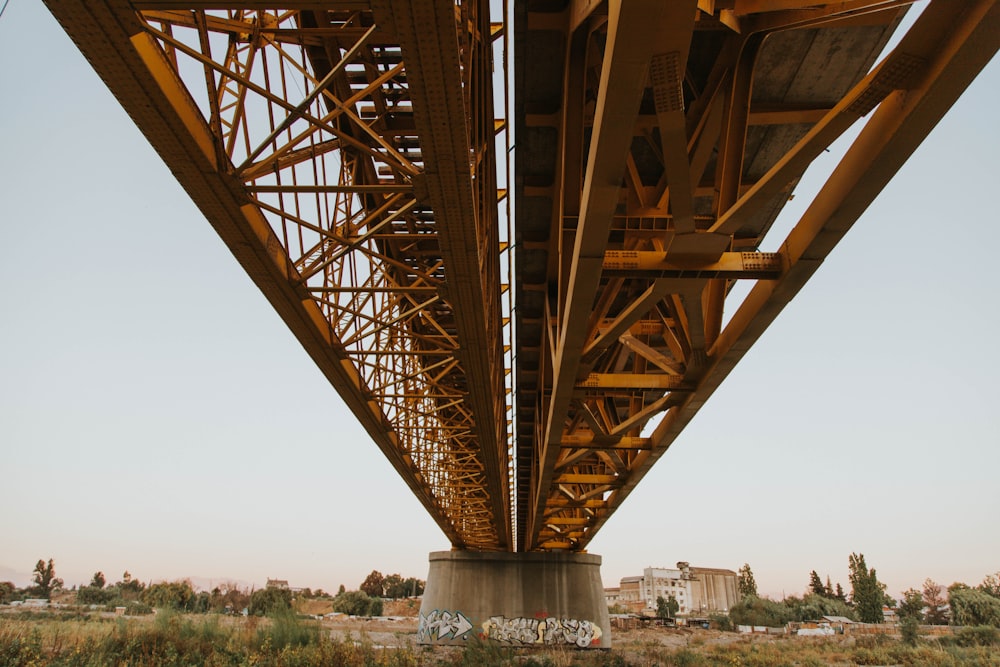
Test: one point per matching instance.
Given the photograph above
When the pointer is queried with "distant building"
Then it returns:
(838, 623)
(698, 590)
(889, 615)
(627, 595)
(280, 584)
(713, 589)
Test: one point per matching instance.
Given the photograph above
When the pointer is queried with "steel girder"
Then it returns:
(653, 157)
(344, 151)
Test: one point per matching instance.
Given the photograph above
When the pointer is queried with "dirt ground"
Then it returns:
(388, 633)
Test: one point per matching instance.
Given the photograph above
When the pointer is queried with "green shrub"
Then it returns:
(722, 622)
(753, 610)
(688, 658)
(909, 628)
(978, 635)
(136, 608)
(478, 652)
(871, 656)
(18, 649)
(178, 595)
(267, 601)
(357, 603)
(100, 596)
(873, 641)
(287, 629)
(973, 607)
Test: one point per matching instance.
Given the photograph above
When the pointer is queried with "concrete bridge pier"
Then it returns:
(517, 599)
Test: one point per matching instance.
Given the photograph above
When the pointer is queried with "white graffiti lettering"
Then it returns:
(441, 625)
(513, 630)
(548, 631)
(571, 631)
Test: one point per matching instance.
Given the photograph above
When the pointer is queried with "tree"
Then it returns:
(45, 579)
(936, 606)
(666, 608)
(414, 586)
(267, 601)
(867, 594)
(752, 610)
(815, 606)
(7, 589)
(373, 584)
(130, 588)
(357, 603)
(178, 595)
(393, 587)
(829, 589)
(910, 614)
(88, 595)
(971, 606)
(97, 581)
(840, 595)
(201, 603)
(991, 585)
(816, 584)
(228, 597)
(912, 605)
(746, 585)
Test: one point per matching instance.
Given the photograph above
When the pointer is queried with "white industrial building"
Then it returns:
(698, 590)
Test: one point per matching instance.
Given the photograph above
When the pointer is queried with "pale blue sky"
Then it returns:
(156, 415)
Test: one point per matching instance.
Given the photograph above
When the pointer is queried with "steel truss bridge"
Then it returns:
(516, 276)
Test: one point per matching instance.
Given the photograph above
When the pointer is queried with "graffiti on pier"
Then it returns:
(514, 630)
(440, 625)
(548, 631)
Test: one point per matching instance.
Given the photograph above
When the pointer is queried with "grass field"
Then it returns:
(89, 639)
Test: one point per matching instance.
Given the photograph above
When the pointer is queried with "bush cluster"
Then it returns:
(357, 603)
(175, 639)
(753, 610)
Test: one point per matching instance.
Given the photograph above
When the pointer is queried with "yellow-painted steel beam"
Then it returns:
(339, 220)
(632, 28)
(365, 207)
(659, 264)
(632, 381)
(956, 43)
(640, 341)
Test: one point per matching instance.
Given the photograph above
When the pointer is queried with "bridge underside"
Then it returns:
(656, 144)
(350, 155)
